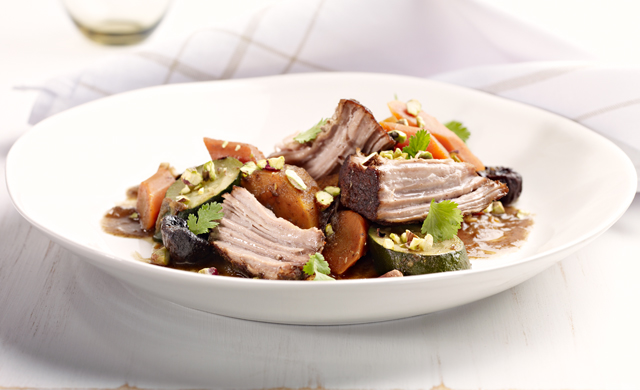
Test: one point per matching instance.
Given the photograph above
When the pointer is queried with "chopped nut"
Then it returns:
(388, 243)
(208, 171)
(237, 147)
(423, 154)
(414, 107)
(191, 177)
(334, 191)
(185, 190)
(295, 180)
(395, 238)
(416, 243)
(397, 135)
(209, 271)
(387, 154)
(248, 168)
(262, 164)
(403, 121)
(276, 162)
(521, 214)
(420, 121)
(324, 198)
(134, 215)
(455, 157)
(160, 257)
(182, 199)
(498, 208)
(427, 242)
(328, 229)
(201, 191)
(488, 209)
(403, 237)
(224, 144)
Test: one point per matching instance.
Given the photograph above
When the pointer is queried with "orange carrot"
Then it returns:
(150, 195)
(435, 147)
(243, 152)
(447, 138)
(348, 243)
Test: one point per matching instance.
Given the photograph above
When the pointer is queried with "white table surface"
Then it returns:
(66, 324)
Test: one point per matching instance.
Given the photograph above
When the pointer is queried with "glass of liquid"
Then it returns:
(116, 22)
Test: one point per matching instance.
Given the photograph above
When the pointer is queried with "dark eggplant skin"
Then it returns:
(508, 176)
(184, 247)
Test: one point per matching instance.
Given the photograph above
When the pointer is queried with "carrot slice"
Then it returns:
(150, 195)
(243, 152)
(348, 243)
(435, 147)
(447, 138)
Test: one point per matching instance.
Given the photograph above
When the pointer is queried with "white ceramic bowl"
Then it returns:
(66, 172)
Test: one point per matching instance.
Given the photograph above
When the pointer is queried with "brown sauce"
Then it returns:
(486, 235)
(124, 222)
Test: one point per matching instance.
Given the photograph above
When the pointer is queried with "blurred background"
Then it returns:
(39, 31)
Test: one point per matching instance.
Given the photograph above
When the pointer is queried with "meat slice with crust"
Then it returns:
(400, 191)
(259, 244)
(351, 127)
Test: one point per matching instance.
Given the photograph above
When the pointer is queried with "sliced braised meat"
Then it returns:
(351, 127)
(258, 243)
(400, 191)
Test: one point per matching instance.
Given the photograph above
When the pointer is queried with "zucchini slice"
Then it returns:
(449, 255)
(181, 203)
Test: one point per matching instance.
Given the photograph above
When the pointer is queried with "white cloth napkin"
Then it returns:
(475, 44)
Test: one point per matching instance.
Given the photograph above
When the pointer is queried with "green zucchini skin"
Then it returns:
(416, 262)
(227, 175)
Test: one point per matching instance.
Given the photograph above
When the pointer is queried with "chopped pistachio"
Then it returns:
(185, 190)
(191, 177)
(262, 164)
(237, 147)
(249, 168)
(201, 191)
(488, 209)
(134, 215)
(521, 214)
(160, 257)
(455, 157)
(403, 121)
(427, 242)
(182, 199)
(424, 155)
(171, 169)
(209, 271)
(328, 229)
(209, 171)
(276, 162)
(498, 208)
(416, 243)
(397, 135)
(224, 144)
(397, 153)
(295, 180)
(403, 237)
(395, 238)
(334, 191)
(414, 107)
(324, 198)
(388, 154)
(420, 121)
(388, 243)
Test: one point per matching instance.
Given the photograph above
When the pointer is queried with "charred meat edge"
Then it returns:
(259, 244)
(351, 127)
(399, 191)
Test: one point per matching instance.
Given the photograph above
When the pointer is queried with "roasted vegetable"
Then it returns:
(285, 196)
(241, 151)
(508, 176)
(393, 252)
(183, 245)
(348, 243)
(150, 195)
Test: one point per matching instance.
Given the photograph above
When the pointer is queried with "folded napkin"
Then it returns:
(477, 45)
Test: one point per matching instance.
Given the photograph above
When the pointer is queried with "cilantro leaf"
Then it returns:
(443, 221)
(417, 143)
(459, 129)
(317, 265)
(312, 133)
(206, 216)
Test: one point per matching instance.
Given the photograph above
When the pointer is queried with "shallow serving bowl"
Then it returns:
(66, 172)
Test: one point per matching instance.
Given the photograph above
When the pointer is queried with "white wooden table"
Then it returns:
(65, 324)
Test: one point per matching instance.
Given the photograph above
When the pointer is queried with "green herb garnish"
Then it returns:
(443, 221)
(417, 143)
(459, 129)
(312, 133)
(207, 214)
(317, 265)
